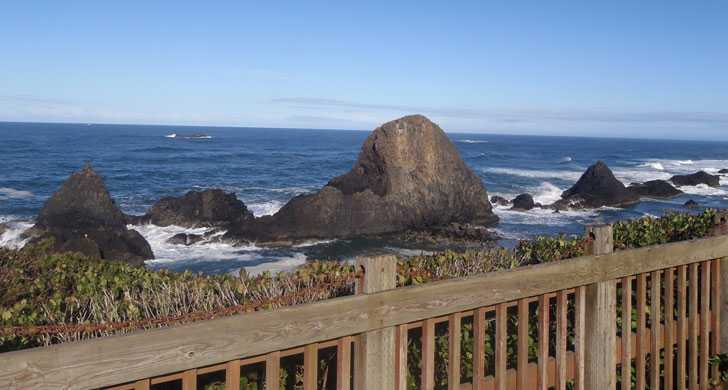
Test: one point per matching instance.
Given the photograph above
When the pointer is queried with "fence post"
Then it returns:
(721, 228)
(375, 355)
(600, 342)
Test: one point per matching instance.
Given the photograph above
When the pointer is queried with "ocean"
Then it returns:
(267, 167)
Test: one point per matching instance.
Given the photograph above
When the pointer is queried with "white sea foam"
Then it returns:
(472, 141)
(703, 189)
(547, 193)
(283, 264)
(12, 237)
(566, 159)
(654, 165)
(539, 216)
(12, 193)
(533, 173)
(260, 209)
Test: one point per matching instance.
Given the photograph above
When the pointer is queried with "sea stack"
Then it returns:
(408, 176)
(82, 217)
(208, 208)
(597, 187)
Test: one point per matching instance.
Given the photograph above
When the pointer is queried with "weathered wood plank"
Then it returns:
(669, 335)
(715, 298)
(454, 340)
(427, 375)
(501, 347)
(641, 354)
(478, 348)
(704, 325)
(113, 360)
(522, 358)
(626, 359)
(579, 335)
(655, 301)
(401, 360)
(543, 342)
(232, 375)
(189, 380)
(561, 339)
(693, 325)
(681, 326)
(273, 371)
(343, 363)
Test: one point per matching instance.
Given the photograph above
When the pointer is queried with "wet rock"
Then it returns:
(696, 179)
(523, 202)
(499, 200)
(212, 207)
(597, 187)
(185, 239)
(691, 204)
(82, 217)
(408, 176)
(660, 189)
(723, 171)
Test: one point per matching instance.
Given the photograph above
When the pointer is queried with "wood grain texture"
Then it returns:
(454, 340)
(669, 334)
(310, 367)
(704, 326)
(522, 338)
(543, 342)
(478, 348)
(119, 359)
(626, 339)
(579, 334)
(401, 359)
(681, 327)
(655, 318)
(641, 351)
(715, 299)
(693, 327)
(343, 363)
(273, 371)
(427, 369)
(561, 339)
(232, 375)
(501, 347)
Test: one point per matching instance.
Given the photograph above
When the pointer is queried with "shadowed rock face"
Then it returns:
(213, 207)
(655, 189)
(598, 187)
(82, 217)
(696, 179)
(408, 176)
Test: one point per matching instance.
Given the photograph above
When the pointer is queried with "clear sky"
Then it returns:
(610, 68)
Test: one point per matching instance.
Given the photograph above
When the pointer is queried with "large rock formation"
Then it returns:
(523, 202)
(597, 187)
(408, 176)
(212, 207)
(82, 217)
(696, 179)
(659, 189)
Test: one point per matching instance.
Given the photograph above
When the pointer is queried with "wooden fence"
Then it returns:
(640, 318)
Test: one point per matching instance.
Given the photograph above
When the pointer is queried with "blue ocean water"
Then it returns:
(267, 167)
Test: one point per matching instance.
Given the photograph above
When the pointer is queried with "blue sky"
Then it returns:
(643, 69)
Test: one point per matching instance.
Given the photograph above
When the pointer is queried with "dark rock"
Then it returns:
(660, 189)
(691, 204)
(499, 200)
(696, 179)
(597, 187)
(213, 207)
(408, 176)
(723, 171)
(185, 239)
(523, 202)
(3, 228)
(82, 217)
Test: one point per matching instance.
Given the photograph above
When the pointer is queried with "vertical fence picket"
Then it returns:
(626, 358)
(704, 324)
(681, 326)
(693, 327)
(479, 349)
(142, 384)
(427, 375)
(401, 361)
(715, 298)
(655, 297)
(501, 346)
(543, 342)
(561, 339)
(273, 371)
(189, 380)
(343, 363)
(579, 334)
(454, 339)
(669, 334)
(522, 353)
(310, 367)
(641, 354)
(232, 375)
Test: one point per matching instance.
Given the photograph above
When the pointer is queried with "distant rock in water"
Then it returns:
(691, 204)
(597, 187)
(185, 239)
(499, 200)
(723, 171)
(696, 179)
(659, 189)
(523, 202)
(408, 176)
(82, 217)
(208, 208)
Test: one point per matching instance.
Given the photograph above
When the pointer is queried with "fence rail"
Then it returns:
(534, 327)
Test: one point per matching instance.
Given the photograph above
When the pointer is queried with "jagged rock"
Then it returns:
(523, 202)
(597, 187)
(723, 171)
(408, 176)
(212, 207)
(695, 179)
(691, 204)
(82, 217)
(660, 189)
(499, 200)
(185, 239)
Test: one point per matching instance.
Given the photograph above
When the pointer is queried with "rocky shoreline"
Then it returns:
(409, 184)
